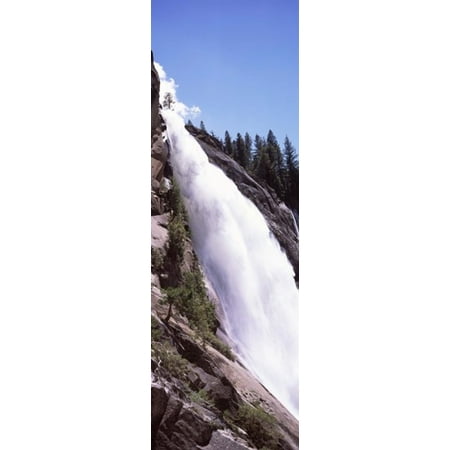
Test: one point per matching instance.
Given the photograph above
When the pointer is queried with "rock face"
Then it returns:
(183, 427)
(182, 422)
(160, 235)
(277, 215)
(160, 149)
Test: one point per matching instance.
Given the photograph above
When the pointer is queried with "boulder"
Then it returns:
(191, 424)
(224, 440)
(173, 409)
(183, 427)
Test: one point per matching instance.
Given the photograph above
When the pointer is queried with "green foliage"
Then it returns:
(177, 238)
(276, 164)
(178, 229)
(266, 161)
(263, 169)
(259, 425)
(291, 175)
(200, 397)
(219, 345)
(228, 145)
(188, 293)
(156, 330)
(242, 153)
(170, 359)
(191, 300)
(157, 260)
(175, 201)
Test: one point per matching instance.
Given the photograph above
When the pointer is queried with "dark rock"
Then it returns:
(222, 394)
(190, 424)
(171, 416)
(193, 352)
(202, 378)
(159, 404)
(183, 428)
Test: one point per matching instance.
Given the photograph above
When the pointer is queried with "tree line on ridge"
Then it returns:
(264, 159)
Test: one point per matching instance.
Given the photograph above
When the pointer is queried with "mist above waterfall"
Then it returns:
(168, 86)
(244, 263)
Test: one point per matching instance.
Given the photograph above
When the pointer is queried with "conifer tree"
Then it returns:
(234, 151)
(228, 144)
(259, 143)
(202, 126)
(248, 151)
(276, 160)
(241, 152)
(263, 166)
(168, 101)
(291, 163)
(274, 152)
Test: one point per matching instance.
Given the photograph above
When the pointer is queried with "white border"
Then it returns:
(374, 224)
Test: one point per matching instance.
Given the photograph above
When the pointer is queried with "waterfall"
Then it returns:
(244, 263)
(294, 218)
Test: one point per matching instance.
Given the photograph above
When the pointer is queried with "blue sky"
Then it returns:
(236, 59)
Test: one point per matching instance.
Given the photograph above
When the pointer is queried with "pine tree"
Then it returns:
(248, 151)
(234, 151)
(241, 152)
(168, 101)
(228, 144)
(263, 166)
(202, 126)
(259, 143)
(291, 174)
(276, 160)
(190, 123)
(275, 152)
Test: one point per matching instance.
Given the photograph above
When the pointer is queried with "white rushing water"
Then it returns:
(244, 263)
